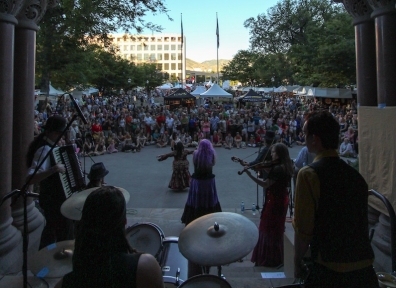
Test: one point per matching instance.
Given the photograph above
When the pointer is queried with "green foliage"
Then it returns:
(298, 42)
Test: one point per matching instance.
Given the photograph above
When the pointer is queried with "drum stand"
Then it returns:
(257, 196)
(206, 271)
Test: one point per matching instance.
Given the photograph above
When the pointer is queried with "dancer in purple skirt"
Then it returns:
(202, 196)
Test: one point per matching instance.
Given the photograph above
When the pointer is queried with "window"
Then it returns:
(152, 47)
(139, 47)
(173, 66)
(159, 47)
(179, 66)
(159, 66)
(152, 57)
(179, 56)
(173, 56)
(139, 57)
(146, 56)
(166, 56)
(132, 48)
(166, 47)
(146, 47)
(179, 47)
(125, 47)
(173, 47)
(166, 66)
(159, 56)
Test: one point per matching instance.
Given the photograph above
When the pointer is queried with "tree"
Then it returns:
(67, 30)
(302, 41)
(241, 67)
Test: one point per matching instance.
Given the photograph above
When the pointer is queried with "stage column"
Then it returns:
(24, 72)
(384, 13)
(10, 237)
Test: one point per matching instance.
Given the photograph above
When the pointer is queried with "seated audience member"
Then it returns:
(163, 140)
(300, 139)
(229, 141)
(238, 140)
(112, 147)
(216, 139)
(346, 149)
(102, 255)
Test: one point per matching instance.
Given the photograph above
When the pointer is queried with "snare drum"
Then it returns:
(205, 280)
(173, 264)
(146, 237)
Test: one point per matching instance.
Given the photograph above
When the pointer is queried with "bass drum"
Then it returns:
(173, 264)
(211, 281)
(146, 237)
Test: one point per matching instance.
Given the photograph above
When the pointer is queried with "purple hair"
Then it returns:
(205, 155)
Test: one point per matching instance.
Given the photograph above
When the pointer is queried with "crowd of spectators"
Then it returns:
(122, 124)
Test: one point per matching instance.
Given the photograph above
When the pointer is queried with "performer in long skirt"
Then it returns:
(202, 196)
(181, 175)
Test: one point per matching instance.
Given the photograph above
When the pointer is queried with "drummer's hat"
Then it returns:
(55, 123)
(98, 170)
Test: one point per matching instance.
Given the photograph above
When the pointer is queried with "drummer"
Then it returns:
(102, 255)
(96, 175)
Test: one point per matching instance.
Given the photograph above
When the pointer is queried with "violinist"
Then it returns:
(269, 248)
(264, 154)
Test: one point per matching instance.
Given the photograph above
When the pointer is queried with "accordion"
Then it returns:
(73, 179)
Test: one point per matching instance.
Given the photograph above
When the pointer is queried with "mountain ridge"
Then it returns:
(207, 65)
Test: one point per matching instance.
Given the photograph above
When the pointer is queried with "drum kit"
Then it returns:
(212, 240)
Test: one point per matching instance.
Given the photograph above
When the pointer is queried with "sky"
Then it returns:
(199, 25)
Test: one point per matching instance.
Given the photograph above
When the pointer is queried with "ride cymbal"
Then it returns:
(217, 239)
(55, 260)
(72, 207)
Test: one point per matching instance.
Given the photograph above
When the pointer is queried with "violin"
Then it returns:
(261, 166)
(238, 160)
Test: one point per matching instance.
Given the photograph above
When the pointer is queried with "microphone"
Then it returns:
(80, 114)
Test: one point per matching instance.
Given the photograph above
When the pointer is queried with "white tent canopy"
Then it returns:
(165, 86)
(198, 91)
(216, 91)
(53, 91)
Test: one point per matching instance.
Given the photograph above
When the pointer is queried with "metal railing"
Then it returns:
(392, 218)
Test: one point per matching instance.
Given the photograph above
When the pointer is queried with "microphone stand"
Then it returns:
(25, 193)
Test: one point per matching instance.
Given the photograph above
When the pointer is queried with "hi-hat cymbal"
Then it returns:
(73, 206)
(205, 244)
(55, 260)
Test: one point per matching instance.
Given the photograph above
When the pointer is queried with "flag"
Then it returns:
(217, 32)
(182, 36)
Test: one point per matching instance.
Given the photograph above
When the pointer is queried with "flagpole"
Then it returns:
(217, 33)
(181, 49)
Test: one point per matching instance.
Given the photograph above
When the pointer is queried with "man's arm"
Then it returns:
(300, 249)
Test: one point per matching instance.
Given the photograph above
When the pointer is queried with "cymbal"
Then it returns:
(205, 244)
(72, 207)
(55, 260)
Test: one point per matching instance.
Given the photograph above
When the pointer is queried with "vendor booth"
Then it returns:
(179, 98)
(252, 96)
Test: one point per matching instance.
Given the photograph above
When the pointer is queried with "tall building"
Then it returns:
(163, 49)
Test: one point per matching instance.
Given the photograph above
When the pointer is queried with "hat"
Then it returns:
(55, 123)
(269, 135)
(98, 171)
